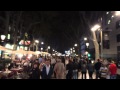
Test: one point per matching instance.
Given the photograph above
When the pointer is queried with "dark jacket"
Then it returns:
(75, 66)
(97, 66)
(44, 74)
(35, 73)
(90, 67)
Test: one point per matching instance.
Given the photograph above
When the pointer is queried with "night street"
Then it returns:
(58, 44)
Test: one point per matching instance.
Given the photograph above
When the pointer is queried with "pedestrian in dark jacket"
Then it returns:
(90, 68)
(84, 69)
(47, 70)
(35, 72)
(97, 68)
(69, 67)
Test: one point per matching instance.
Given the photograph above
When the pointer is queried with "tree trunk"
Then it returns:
(7, 22)
(97, 52)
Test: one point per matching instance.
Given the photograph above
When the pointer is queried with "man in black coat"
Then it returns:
(35, 72)
(97, 68)
(47, 71)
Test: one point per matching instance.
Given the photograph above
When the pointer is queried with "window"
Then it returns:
(118, 24)
(106, 44)
(118, 38)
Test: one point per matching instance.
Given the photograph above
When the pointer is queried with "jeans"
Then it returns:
(90, 75)
(75, 74)
(112, 76)
(84, 74)
(97, 74)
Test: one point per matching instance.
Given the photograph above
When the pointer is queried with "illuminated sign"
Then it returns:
(22, 42)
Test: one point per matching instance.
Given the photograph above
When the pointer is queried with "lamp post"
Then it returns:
(42, 43)
(37, 42)
(2, 42)
(41, 49)
(85, 39)
(48, 49)
(87, 44)
(3, 38)
(76, 47)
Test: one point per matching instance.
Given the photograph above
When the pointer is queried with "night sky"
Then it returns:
(61, 25)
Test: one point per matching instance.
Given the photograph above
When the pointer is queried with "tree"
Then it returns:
(89, 21)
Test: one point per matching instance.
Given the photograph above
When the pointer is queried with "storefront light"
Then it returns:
(8, 36)
(3, 37)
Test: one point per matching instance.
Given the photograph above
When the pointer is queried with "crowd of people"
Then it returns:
(55, 67)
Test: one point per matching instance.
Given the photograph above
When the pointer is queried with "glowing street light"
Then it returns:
(73, 50)
(42, 43)
(3, 37)
(36, 41)
(53, 50)
(48, 47)
(85, 39)
(95, 27)
(87, 44)
(86, 52)
(117, 13)
(75, 45)
(41, 49)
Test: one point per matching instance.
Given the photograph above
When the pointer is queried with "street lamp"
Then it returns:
(41, 49)
(117, 13)
(42, 43)
(73, 50)
(87, 44)
(48, 47)
(86, 53)
(36, 41)
(75, 45)
(85, 39)
(3, 37)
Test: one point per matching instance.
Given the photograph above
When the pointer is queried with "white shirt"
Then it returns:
(40, 60)
(47, 69)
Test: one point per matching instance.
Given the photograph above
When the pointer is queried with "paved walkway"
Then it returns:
(80, 75)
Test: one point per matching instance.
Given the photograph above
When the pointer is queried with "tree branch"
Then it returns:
(3, 19)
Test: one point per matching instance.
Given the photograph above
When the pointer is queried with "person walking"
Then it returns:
(90, 68)
(97, 68)
(59, 69)
(47, 70)
(84, 69)
(113, 70)
(103, 71)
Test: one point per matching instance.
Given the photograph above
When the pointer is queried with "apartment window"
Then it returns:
(118, 24)
(118, 38)
(106, 44)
